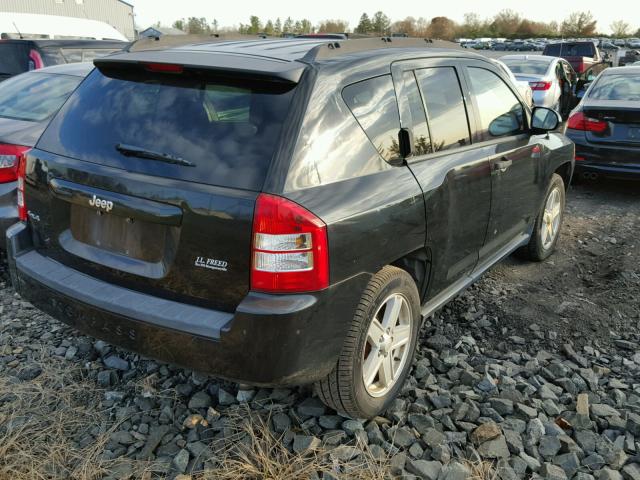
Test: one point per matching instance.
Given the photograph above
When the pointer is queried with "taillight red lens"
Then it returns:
(9, 159)
(579, 121)
(540, 85)
(290, 248)
(22, 206)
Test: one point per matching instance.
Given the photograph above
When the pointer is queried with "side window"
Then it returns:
(501, 113)
(373, 103)
(446, 113)
(421, 135)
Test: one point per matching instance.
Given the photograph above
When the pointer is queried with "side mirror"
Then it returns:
(404, 143)
(544, 119)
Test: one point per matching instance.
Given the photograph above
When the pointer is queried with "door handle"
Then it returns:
(502, 165)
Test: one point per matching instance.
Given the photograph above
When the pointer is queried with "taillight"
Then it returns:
(579, 121)
(22, 206)
(540, 85)
(290, 248)
(9, 159)
(35, 60)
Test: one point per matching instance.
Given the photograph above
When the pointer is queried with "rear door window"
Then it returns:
(446, 111)
(226, 129)
(500, 112)
(35, 96)
(373, 103)
(419, 127)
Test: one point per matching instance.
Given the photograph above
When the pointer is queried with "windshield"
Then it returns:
(35, 96)
(527, 67)
(616, 87)
(570, 50)
(226, 129)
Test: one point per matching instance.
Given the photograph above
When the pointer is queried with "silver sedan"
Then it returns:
(552, 80)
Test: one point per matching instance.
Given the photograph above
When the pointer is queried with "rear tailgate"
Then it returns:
(580, 64)
(623, 118)
(623, 128)
(175, 221)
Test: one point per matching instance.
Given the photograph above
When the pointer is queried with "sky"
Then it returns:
(234, 12)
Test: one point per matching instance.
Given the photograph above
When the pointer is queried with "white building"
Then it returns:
(117, 13)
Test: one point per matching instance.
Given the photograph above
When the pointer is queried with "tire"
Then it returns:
(344, 389)
(539, 248)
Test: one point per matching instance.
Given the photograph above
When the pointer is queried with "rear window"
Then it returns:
(228, 131)
(527, 67)
(14, 59)
(616, 87)
(35, 96)
(57, 56)
(570, 50)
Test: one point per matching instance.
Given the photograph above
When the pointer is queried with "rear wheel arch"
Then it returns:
(418, 265)
(565, 171)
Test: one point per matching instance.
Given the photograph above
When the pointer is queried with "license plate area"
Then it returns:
(127, 236)
(634, 134)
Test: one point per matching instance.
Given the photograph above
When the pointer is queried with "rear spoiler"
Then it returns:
(248, 67)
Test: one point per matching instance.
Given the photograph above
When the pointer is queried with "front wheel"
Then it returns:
(379, 348)
(548, 223)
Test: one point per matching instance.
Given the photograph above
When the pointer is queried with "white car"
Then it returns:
(523, 87)
(552, 80)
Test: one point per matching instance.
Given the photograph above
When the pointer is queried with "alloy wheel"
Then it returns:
(551, 219)
(387, 346)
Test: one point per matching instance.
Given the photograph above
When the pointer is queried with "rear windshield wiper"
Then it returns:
(133, 151)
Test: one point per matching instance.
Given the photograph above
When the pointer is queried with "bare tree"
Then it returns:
(579, 24)
(443, 28)
(333, 26)
(620, 28)
(407, 26)
(506, 23)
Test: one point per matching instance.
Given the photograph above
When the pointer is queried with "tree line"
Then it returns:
(505, 24)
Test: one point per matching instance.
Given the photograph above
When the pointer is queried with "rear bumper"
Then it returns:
(610, 161)
(270, 340)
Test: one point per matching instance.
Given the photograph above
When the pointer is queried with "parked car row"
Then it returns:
(538, 44)
(208, 205)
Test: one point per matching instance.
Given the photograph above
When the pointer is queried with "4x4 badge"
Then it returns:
(107, 205)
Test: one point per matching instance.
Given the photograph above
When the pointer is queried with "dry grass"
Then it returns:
(254, 451)
(481, 470)
(41, 421)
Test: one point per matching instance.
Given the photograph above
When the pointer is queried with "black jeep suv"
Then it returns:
(284, 212)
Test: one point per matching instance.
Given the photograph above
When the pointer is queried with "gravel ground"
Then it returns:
(534, 372)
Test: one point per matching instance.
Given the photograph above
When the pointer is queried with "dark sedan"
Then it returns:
(27, 103)
(605, 126)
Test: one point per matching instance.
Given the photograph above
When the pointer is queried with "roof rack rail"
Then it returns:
(169, 41)
(337, 48)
